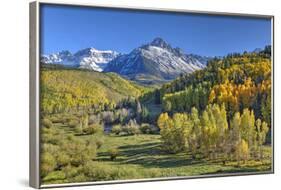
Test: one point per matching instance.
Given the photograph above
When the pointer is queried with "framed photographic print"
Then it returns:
(130, 94)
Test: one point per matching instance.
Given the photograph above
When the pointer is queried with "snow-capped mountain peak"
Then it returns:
(159, 42)
(88, 58)
(155, 59)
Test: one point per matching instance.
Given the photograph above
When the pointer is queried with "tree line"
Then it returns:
(210, 134)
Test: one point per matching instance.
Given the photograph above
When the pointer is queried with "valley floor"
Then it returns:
(141, 156)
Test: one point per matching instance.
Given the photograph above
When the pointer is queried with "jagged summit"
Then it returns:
(157, 59)
(159, 42)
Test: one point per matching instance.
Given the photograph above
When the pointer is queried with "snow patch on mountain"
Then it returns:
(89, 58)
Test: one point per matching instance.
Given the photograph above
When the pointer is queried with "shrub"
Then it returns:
(55, 175)
(47, 123)
(80, 152)
(145, 128)
(51, 135)
(73, 123)
(154, 129)
(89, 130)
(63, 159)
(71, 171)
(123, 172)
(93, 129)
(116, 129)
(154, 172)
(113, 153)
(96, 171)
(78, 128)
(79, 178)
(50, 138)
(57, 119)
(54, 119)
(48, 164)
(99, 143)
(132, 128)
(94, 119)
(51, 148)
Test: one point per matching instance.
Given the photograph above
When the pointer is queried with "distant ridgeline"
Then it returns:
(153, 63)
(237, 80)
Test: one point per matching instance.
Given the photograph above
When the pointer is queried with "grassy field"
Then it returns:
(144, 153)
(141, 156)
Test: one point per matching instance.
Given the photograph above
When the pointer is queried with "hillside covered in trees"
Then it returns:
(63, 90)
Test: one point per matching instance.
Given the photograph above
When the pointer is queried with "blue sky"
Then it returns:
(74, 28)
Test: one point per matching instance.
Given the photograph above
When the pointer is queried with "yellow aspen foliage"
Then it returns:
(242, 151)
(162, 120)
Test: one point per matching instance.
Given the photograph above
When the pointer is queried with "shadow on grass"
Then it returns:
(168, 162)
(149, 155)
(230, 171)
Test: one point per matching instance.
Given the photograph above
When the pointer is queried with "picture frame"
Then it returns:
(35, 145)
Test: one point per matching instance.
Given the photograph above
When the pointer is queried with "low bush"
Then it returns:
(63, 159)
(73, 123)
(116, 129)
(55, 175)
(80, 152)
(94, 119)
(78, 128)
(145, 128)
(93, 129)
(66, 153)
(47, 123)
(51, 135)
(79, 178)
(71, 171)
(97, 171)
(48, 163)
(50, 148)
(58, 118)
(99, 143)
(55, 119)
(132, 128)
(114, 152)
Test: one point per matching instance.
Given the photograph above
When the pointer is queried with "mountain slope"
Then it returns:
(63, 89)
(238, 81)
(89, 58)
(155, 61)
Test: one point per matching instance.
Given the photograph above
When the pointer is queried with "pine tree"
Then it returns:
(167, 105)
